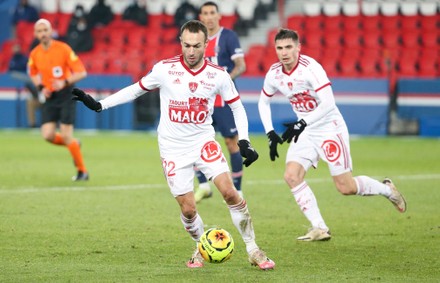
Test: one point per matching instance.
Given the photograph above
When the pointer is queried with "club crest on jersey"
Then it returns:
(332, 150)
(211, 151)
(193, 86)
(290, 85)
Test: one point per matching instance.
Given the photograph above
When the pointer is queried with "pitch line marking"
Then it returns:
(25, 190)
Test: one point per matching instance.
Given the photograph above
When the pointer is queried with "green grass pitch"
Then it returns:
(124, 226)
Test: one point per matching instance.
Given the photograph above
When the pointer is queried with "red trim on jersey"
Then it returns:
(267, 94)
(215, 66)
(142, 86)
(327, 84)
(294, 68)
(205, 63)
(233, 100)
(275, 65)
(172, 59)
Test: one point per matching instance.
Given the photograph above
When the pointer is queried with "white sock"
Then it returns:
(309, 206)
(243, 222)
(367, 186)
(193, 226)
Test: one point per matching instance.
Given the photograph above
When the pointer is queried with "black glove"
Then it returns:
(248, 152)
(88, 101)
(274, 140)
(293, 130)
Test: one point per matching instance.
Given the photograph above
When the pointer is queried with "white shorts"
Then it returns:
(179, 170)
(333, 147)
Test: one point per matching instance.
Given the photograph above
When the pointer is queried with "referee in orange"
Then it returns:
(54, 68)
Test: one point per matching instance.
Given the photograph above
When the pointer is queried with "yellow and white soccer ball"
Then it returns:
(216, 245)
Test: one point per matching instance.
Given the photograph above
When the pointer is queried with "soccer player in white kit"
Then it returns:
(188, 86)
(319, 133)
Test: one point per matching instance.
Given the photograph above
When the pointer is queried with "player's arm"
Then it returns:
(240, 67)
(76, 77)
(265, 111)
(124, 95)
(241, 122)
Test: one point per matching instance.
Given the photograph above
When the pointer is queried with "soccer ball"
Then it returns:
(216, 245)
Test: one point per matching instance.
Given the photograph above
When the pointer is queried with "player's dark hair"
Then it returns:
(286, 34)
(209, 3)
(194, 26)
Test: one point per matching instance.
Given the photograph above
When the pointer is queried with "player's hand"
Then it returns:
(274, 140)
(293, 130)
(248, 152)
(88, 101)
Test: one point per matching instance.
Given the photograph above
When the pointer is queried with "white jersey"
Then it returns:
(186, 103)
(309, 92)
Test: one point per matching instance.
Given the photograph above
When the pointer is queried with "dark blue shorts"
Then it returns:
(223, 121)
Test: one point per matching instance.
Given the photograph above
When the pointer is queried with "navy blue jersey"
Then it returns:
(223, 48)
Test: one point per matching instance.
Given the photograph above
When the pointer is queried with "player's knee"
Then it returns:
(189, 212)
(346, 188)
(231, 196)
(292, 179)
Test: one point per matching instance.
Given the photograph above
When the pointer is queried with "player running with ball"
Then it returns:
(188, 86)
(319, 133)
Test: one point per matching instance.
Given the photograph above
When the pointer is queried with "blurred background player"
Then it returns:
(224, 50)
(319, 133)
(54, 68)
(18, 70)
(186, 135)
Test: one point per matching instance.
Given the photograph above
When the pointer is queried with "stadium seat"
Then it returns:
(429, 39)
(313, 23)
(350, 8)
(271, 37)
(409, 8)
(389, 23)
(429, 23)
(370, 8)
(315, 53)
(369, 67)
(370, 23)
(410, 23)
(351, 23)
(51, 6)
(256, 51)
(352, 39)
(227, 7)
(312, 8)
(371, 39)
(332, 39)
(428, 67)
(348, 67)
(410, 39)
(331, 8)
(330, 65)
(228, 21)
(407, 66)
(389, 8)
(268, 60)
(313, 39)
(428, 8)
(63, 23)
(390, 39)
(332, 23)
(295, 22)
(253, 68)
(170, 35)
